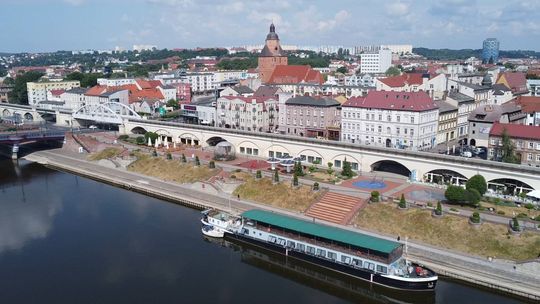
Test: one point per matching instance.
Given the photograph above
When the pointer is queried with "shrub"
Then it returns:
(475, 217)
(140, 140)
(197, 161)
(477, 182)
(295, 180)
(347, 169)
(154, 153)
(430, 204)
(169, 156)
(258, 174)
(500, 212)
(438, 211)
(537, 218)
(183, 158)
(402, 201)
(233, 176)
(238, 170)
(529, 206)
(276, 176)
(375, 196)
(472, 196)
(212, 164)
(454, 209)
(316, 186)
(123, 137)
(312, 168)
(454, 194)
(153, 136)
(298, 169)
(521, 215)
(515, 224)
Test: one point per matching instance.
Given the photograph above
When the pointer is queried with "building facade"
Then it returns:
(525, 139)
(37, 91)
(376, 62)
(311, 117)
(271, 55)
(448, 117)
(258, 114)
(406, 120)
(490, 50)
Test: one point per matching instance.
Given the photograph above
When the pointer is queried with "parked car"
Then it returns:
(93, 127)
(467, 154)
(479, 150)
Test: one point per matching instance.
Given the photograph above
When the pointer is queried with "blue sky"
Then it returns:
(49, 25)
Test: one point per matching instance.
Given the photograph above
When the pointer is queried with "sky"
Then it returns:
(50, 25)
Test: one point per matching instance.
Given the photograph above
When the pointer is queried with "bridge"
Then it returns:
(418, 166)
(28, 113)
(18, 138)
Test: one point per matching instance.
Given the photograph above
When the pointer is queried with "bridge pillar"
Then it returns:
(15, 152)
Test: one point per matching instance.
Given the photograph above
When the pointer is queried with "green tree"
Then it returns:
(173, 104)
(509, 66)
(258, 174)
(197, 161)
(477, 182)
(295, 180)
(212, 164)
(184, 160)
(472, 196)
(393, 71)
(140, 140)
(475, 217)
(454, 194)
(438, 211)
(298, 169)
(315, 186)
(19, 94)
(169, 156)
(347, 169)
(508, 153)
(9, 81)
(342, 70)
(86, 79)
(153, 137)
(402, 202)
(276, 176)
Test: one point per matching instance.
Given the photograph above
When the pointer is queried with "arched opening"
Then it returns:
(213, 141)
(28, 117)
(6, 113)
(391, 166)
(445, 177)
(473, 142)
(138, 130)
(48, 117)
(388, 143)
(508, 186)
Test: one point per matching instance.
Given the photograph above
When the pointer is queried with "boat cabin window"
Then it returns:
(290, 244)
(281, 242)
(357, 263)
(246, 231)
(250, 223)
(332, 255)
(321, 252)
(300, 247)
(310, 250)
(369, 266)
(345, 259)
(381, 269)
(272, 239)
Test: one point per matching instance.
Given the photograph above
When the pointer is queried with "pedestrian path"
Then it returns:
(335, 207)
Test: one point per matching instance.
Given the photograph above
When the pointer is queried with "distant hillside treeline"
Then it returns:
(447, 54)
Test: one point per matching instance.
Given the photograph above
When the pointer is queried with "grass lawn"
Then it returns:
(280, 195)
(451, 232)
(105, 153)
(509, 211)
(171, 170)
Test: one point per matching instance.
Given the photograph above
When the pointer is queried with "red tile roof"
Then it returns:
(398, 101)
(515, 131)
(135, 94)
(258, 99)
(529, 104)
(516, 81)
(292, 74)
(402, 80)
(57, 92)
(96, 90)
(148, 84)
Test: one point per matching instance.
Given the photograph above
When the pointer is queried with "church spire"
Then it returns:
(272, 28)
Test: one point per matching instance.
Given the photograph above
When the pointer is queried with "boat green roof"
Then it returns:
(322, 231)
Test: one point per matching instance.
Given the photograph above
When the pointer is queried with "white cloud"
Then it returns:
(397, 8)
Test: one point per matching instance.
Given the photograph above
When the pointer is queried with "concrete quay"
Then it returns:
(497, 275)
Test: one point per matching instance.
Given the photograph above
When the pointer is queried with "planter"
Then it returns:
(435, 215)
(453, 212)
(475, 225)
(400, 208)
(513, 232)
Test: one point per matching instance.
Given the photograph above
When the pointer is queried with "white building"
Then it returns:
(115, 82)
(406, 120)
(433, 84)
(74, 98)
(399, 48)
(201, 82)
(365, 80)
(247, 113)
(376, 62)
(37, 91)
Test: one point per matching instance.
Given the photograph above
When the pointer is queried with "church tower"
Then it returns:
(272, 55)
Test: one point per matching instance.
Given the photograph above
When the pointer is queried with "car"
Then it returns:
(93, 127)
(479, 150)
(467, 154)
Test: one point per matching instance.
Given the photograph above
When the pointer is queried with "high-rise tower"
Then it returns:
(272, 55)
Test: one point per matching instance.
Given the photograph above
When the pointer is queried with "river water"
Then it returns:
(68, 239)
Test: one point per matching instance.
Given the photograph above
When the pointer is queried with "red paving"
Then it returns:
(389, 184)
(254, 164)
(336, 208)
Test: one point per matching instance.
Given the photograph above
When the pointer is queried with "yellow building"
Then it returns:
(37, 91)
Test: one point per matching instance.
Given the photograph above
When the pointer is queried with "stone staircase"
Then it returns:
(336, 208)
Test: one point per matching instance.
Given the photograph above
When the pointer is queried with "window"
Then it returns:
(380, 116)
(379, 128)
(398, 118)
(345, 259)
(537, 146)
(255, 151)
(249, 151)
(529, 157)
(381, 269)
(412, 119)
(300, 247)
(372, 116)
(337, 163)
(531, 145)
(310, 250)
(332, 255)
(369, 266)
(389, 118)
(405, 130)
(357, 263)
(397, 130)
(290, 244)
(310, 159)
(242, 150)
(272, 239)
(388, 130)
(538, 157)
(412, 132)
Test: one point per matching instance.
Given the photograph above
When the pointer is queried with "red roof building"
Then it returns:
(525, 139)
(515, 131)
(294, 74)
(396, 101)
(515, 81)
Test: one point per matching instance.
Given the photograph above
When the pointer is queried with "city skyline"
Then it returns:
(52, 25)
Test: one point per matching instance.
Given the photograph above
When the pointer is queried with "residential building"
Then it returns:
(311, 89)
(115, 82)
(501, 94)
(465, 104)
(448, 118)
(272, 55)
(267, 91)
(406, 120)
(311, 117)
(202, 112)
(533, 85)
(237, 91)
(183, 92)
(398, 48)
(364, 80)
(490, 50)
(482, 119)
(530, 105)
(433, 84)
(247, 113)
(376, 62)
(74, 98)
(37, 91)
(515, 81)
(525, 139)
(4, 92)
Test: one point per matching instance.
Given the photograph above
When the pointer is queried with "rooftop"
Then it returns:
(312, 101)
(398, 101)
(473, 86)
(515, 131)
(292, 74)
(322, 231)
(460, 97)
(445, 106)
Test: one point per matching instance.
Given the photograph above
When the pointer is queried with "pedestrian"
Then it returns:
(238, 196)
(398, 238)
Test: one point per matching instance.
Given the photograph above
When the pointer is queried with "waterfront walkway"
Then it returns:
(501, 275)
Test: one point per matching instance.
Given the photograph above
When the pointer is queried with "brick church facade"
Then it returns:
(271, 55)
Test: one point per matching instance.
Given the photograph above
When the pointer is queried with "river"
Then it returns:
(68, 239)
